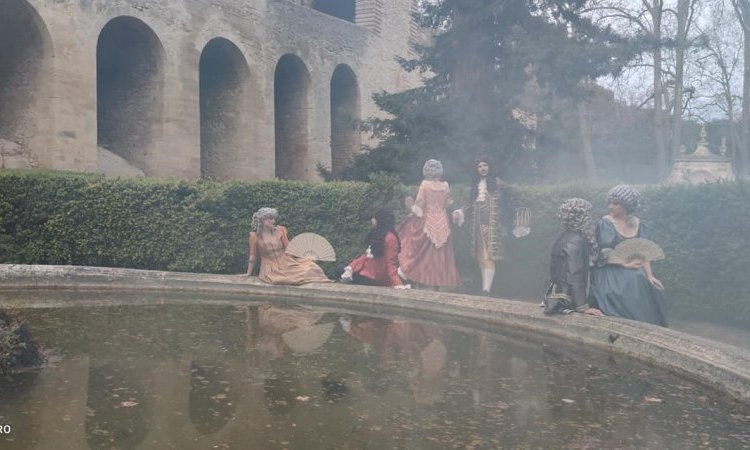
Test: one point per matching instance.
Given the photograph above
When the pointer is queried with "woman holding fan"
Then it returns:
(626, 289)
(268, 243)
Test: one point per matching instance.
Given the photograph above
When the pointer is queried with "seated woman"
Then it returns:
(268, 243)
(569, 264)
(379, 265)
(628, 290)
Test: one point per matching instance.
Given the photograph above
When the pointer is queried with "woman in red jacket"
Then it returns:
(379, 265)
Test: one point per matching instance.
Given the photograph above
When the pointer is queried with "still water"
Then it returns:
(285, 376)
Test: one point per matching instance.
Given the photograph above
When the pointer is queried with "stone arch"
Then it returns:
(129, 89)
(345, 116)
(25, 82)
(343, 9)
(291, 103)
(223, 79)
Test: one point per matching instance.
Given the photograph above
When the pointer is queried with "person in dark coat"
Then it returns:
(569, 262)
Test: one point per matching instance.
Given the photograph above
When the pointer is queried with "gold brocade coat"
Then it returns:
(487, 230)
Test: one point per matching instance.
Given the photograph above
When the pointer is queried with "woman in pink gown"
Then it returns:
(426, 245)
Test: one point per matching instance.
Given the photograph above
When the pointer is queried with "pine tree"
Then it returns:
(493, 73)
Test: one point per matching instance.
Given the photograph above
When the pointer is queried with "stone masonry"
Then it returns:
(225, 89)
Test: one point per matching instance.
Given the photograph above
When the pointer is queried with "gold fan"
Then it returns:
(309, 338)
(636, 249)
(311, 246)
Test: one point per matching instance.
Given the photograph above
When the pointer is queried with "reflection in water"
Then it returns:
(212, 402)
(117, 405)
(411, 348)
(273, 376)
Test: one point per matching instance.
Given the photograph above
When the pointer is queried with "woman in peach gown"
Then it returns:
(426, 245)
(268, 243)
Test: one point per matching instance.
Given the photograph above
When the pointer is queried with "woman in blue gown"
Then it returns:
(628, 290)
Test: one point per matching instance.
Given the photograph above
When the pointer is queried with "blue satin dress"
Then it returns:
(618, 291)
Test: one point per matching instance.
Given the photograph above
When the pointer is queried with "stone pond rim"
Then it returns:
(719, 365)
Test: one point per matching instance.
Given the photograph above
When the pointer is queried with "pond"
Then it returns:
(262, 375)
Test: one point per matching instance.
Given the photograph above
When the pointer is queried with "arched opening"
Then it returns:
(129, 88)
(25, 54)
(223, 75)
(291, 91)
(345, 136)
(343, 9)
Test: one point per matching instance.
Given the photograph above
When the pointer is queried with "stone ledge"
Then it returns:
(719, 365)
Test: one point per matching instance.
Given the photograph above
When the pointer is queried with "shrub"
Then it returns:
(202, 226)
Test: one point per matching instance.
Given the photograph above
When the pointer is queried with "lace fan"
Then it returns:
(637, 248)
(311, 246)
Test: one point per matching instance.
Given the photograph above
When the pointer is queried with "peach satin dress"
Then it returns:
(279, 267)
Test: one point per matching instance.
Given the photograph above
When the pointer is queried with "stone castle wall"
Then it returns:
(225, 89)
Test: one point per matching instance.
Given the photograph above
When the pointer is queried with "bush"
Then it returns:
(18, 349)
(195, 226)
(701, 228)
(202, 226)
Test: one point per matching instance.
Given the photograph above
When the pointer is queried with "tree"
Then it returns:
(719, 66)
(491, 72)
(742, 9)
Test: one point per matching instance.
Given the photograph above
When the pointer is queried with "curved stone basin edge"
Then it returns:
(722, 366)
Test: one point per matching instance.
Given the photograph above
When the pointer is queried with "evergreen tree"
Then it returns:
(491, 74)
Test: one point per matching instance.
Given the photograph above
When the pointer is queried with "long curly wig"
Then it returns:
(575, 215)
(385, 223)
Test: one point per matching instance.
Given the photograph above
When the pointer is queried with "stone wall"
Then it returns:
(188, 88)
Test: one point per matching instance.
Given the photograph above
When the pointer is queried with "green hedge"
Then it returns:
(63, 218)
(202, 226)
(703, 230)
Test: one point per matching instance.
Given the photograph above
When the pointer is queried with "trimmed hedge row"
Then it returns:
(202, 226)
(191, 226)
(703, 230)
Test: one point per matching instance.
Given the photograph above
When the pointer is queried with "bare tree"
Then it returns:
(685, 13)
(718, 66)
(643, 20)
(742, 10)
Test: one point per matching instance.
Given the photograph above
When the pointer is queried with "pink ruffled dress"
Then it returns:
(426, 244)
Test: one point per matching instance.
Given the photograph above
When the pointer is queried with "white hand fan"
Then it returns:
(308, 339)
(311, 246)
(637, 248)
